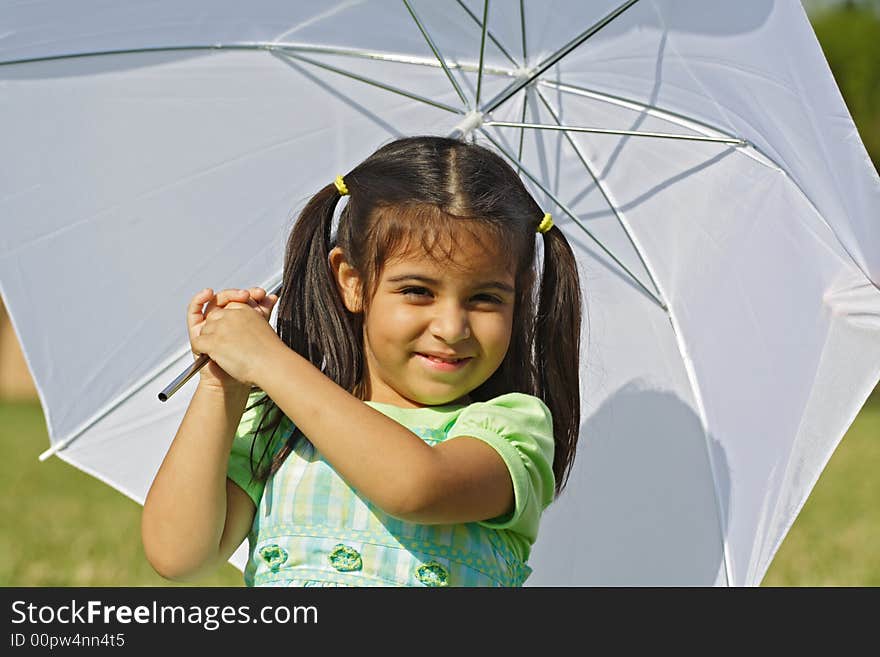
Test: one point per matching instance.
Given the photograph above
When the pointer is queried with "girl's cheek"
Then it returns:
(496, 327)
(403, 315)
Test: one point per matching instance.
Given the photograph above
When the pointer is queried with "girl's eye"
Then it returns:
(419, 292)
(413, 290)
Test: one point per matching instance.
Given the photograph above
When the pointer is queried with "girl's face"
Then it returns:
(460, 309)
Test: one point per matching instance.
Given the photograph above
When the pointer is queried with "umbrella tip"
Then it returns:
(49, 452)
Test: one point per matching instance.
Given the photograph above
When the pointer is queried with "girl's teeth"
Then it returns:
(440, 360)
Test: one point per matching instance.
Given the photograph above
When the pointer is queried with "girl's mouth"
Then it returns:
(442, 364)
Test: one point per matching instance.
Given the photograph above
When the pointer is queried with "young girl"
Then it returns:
(413, 415)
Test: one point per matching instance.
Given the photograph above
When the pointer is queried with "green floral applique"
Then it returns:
(432, 574)
(344, 558)
(273, 555)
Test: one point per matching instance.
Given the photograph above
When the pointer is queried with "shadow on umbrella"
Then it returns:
(631, 519)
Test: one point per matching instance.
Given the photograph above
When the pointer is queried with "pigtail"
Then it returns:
(557, 348)
(309, 297)
(312, 320)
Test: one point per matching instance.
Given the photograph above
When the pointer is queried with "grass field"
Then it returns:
(61, 527)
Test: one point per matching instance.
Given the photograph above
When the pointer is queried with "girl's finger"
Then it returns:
(231, 295)
(194, 309)
(267, 304)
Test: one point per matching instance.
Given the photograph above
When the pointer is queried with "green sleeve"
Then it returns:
(520, 428)
(239, 466)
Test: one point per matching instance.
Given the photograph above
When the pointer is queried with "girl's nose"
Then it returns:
(451, 324)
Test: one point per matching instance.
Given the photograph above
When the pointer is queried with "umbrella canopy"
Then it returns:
(697, 154)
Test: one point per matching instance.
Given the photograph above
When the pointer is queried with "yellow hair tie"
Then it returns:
(546, 223)
(340, 186)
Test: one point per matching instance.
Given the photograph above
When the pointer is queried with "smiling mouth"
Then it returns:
(448, 361)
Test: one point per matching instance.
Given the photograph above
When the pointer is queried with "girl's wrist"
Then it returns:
(268, 360)
(226, 392)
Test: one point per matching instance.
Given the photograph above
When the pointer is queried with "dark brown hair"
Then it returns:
(415, 191)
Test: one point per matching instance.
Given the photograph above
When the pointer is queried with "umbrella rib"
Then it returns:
(574, 218)
(653, 110)
(555, 57)
(606, 131)
(375, 83)
(269, 46)
(391, 57)
(689, 122)
(522, 133)
(134, 51)
(437, 54)
(482, 49)
(489, 34)
(128, 51)
(602, 190)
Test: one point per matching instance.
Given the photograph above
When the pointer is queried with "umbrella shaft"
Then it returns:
(183, 377)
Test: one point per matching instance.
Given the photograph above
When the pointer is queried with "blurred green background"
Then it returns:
(61, 527)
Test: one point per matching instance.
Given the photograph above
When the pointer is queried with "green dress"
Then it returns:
(312, 529)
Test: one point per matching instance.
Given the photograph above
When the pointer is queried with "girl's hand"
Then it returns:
(235, 337)
(212, 374)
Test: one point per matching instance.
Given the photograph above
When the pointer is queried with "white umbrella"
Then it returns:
(709, 177)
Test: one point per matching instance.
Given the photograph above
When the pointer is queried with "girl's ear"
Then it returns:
(348, 281)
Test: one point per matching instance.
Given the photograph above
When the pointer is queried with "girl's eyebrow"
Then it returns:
(433, 281)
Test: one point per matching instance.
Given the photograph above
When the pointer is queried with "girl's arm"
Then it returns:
(193, 517)
(395, 469)
(462, 480)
